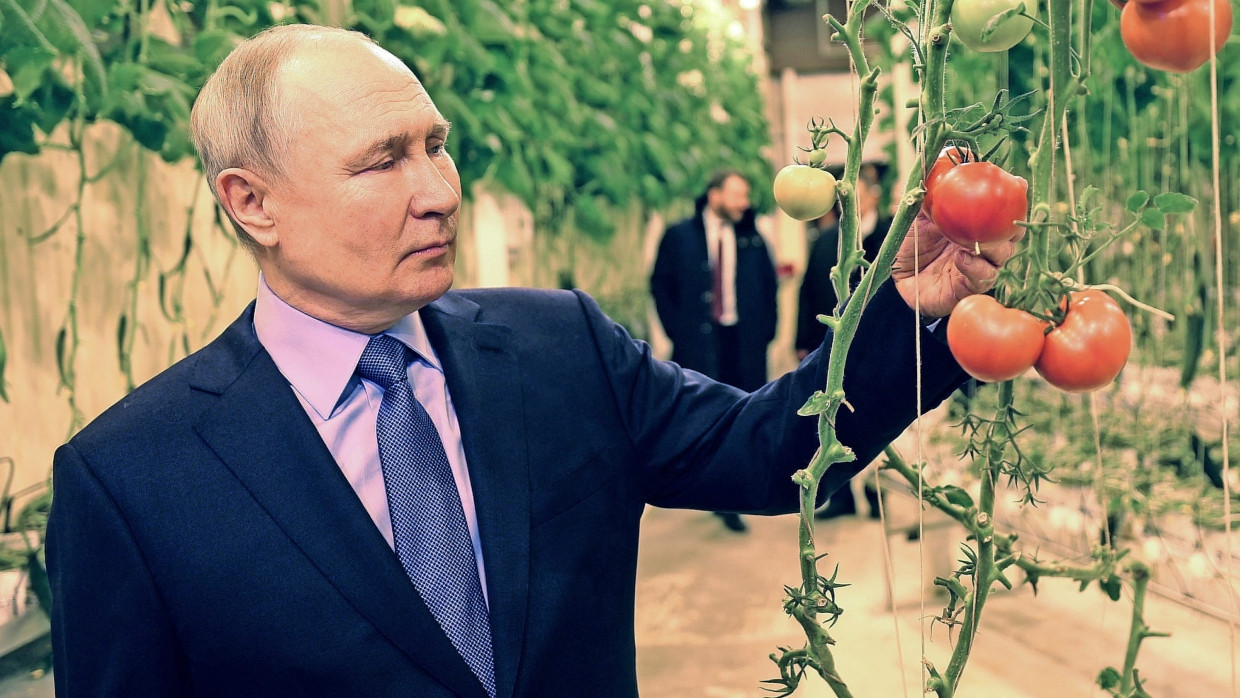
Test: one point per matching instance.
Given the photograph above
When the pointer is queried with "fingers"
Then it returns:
(999, 255)
(979, 272)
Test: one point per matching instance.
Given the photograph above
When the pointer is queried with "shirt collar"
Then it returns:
(318, 358)
(713, 221)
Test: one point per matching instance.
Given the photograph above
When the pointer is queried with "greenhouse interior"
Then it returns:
(542, 348)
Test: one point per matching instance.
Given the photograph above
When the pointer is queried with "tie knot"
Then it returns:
(385, 361)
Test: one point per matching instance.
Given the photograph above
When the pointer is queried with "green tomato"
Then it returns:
(970, 17)
(804, 192)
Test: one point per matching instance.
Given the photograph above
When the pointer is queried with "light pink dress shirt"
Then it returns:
(319, 359)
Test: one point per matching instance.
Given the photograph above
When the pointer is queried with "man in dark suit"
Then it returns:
(714, 287)
(246, 523)
(816, 295)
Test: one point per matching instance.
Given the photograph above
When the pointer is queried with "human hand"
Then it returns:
(947, 272)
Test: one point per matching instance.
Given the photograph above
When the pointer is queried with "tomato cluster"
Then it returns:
(974, 204)
(1083, 353)
(1174, 35)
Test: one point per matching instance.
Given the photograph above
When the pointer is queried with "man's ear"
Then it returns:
(243, 194)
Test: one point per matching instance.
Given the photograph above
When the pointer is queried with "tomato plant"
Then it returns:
(971, 17)
(948, 158)
(979, 204)
(1090, 347)
(991, 342)
(804, 192)
(1174, 35)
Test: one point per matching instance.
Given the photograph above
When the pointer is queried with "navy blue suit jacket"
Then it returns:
(203, 541)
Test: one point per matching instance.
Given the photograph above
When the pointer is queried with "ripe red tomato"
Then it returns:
(1174, 35)
(804, 192)
(1090, 347)
(978, 204)
(993, 343)
(948, 158)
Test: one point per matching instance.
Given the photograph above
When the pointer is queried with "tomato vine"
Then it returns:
(1065, 243)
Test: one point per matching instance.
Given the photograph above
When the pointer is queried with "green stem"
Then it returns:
(831, 451)
(985, 572)
(68, 345)
(1138, 630)
(1060, 91)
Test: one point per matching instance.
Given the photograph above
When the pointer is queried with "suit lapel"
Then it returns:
(262, 434)
(484, 382)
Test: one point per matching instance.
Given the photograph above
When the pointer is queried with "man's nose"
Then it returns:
(433, 190)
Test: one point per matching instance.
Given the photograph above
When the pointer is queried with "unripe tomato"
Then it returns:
(979, 204)
(969, 18)
(1174, 35)
(948, 158)
(1090, 347)
(804, 192)
(991, 342)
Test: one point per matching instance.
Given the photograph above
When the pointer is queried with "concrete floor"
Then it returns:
(708, 616)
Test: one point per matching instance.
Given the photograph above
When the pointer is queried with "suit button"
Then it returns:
(708, 297)
(706, 328)
(742, 243)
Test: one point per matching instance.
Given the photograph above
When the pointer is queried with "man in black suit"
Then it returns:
(714, 289)
(244, 524)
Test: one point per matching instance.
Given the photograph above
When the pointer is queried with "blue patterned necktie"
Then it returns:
(428, 523)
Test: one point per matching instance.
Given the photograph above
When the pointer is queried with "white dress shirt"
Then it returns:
(719, 229)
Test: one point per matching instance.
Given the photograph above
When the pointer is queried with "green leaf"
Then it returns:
(994, 22)
(4, 395)
(1112, 587)
(54, 98)
(1174, 202)
(818, 403)
(17, 124)
(1109, 678)
(1154, 219)
(1137, 201)
(957, 496)
(62, 358)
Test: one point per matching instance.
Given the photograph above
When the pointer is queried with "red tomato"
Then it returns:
(948, 158)
(1090, 347)
(1174, 35)
(993, 343)
(977, 203)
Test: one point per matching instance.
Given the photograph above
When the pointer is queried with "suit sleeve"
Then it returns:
(817, 294)
(705, 445)
(663, 284)
(111, 633)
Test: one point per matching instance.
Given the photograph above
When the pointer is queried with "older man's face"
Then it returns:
(367, 217)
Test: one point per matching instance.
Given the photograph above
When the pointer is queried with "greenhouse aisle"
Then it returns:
(708, 616)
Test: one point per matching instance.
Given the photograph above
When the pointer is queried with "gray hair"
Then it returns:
(238, 120)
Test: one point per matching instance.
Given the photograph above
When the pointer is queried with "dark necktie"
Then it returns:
(428, 523)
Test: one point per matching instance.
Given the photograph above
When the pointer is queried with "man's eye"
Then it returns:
(438, 149)
(385, 165)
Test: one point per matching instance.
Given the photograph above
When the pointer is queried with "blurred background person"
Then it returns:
(817, 295)
(714, 287)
